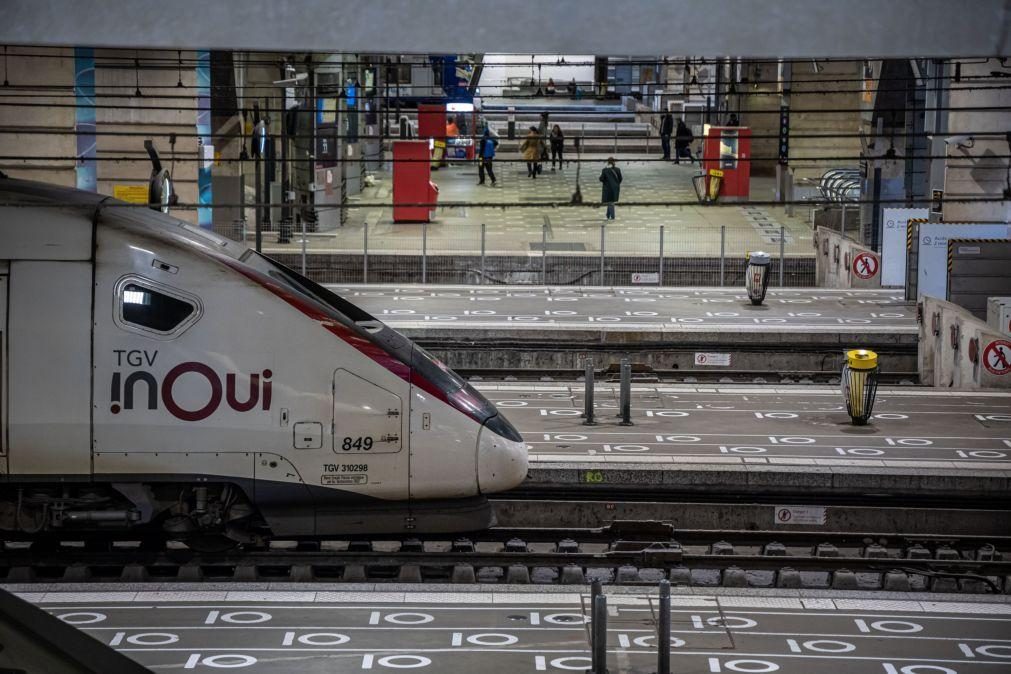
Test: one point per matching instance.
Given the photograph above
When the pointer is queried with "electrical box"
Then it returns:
(998, 314)
(727, 151)
(414, 193)
(308, 435)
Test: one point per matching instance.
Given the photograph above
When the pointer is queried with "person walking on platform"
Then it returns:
(531, 149)
(557, 146)
(486, 155)
(666, 130)
(610, 188)
(683, 138)
(542, 131)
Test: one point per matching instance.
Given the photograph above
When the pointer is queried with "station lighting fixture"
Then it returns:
(860, 384)
(757, 276)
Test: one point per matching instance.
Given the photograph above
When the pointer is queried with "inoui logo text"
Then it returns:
(125, 387)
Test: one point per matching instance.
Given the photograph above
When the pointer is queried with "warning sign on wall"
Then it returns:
(865, 265)
(997, 357)
(135, 194)
(809, 515)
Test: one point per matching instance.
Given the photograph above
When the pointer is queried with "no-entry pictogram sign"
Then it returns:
(997, 357)
(865, 265)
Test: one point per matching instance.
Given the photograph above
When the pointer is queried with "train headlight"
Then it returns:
(757, 276)
(860, 384)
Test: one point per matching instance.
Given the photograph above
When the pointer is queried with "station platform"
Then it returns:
(553, 328)
(765, 441)
(521, 223)
(267, 628)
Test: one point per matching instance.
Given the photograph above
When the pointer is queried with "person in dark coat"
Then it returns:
(610, 188)
(666, 130)
(557, 139)
(683, 138)
(733, 120)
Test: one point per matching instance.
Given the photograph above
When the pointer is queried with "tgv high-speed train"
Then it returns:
(154, 374)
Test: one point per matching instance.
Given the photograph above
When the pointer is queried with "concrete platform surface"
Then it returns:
(352, 629)
(764, 439)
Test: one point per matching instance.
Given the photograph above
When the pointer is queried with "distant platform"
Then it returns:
(554, 328)
(765, 440)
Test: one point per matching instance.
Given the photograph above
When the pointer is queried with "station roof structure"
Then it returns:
(784, 28)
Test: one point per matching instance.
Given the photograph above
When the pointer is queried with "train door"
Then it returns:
(49, 374)
(3, 370)
(368, 438)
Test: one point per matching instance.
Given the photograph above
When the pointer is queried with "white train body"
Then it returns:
(155, 372)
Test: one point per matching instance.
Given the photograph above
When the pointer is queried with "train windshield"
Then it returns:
(449, 384)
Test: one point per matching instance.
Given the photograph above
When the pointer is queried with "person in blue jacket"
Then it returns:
(486, 155)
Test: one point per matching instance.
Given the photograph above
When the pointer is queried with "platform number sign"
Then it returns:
(865, 265)
(997, 357)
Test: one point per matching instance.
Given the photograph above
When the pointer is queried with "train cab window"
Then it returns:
(148, 307)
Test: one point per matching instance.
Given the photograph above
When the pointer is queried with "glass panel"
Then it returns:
(152, 310)
(728, 150)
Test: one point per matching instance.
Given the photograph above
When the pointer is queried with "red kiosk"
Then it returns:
(726, 156)
(412, 181)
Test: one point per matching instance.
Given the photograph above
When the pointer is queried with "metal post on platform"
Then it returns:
(544, 254)
(782, 252)
(616, 138)
(660, 275)
(365, 253)
(723, 251)
(483, 232)
(303, 245)
(625, 393)
(663, 630)
(602, 229)
(588, 417)
(424, 252)
(598, 633)
(842, 221)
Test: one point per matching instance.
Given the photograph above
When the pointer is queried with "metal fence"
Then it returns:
(560, 254)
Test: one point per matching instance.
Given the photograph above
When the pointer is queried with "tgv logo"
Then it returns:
(125, 388)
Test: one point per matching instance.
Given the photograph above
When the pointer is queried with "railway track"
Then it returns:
(625, 552)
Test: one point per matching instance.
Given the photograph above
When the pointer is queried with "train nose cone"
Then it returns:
(501, 463)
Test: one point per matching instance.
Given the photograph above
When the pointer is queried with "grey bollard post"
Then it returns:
(663, 630)
(625, 393)
(365, 253)
(598, 632)
(483, 244)
(602, 244)
(588, 415)
(723, 251)
(660, 275)
(544, 254)
(782, 253)
(424, 252)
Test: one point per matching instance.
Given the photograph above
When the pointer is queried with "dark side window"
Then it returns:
(151, 309)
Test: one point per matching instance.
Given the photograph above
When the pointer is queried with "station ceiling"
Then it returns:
(776, 28)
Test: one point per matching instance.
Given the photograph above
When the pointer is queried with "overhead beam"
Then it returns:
(781, 28)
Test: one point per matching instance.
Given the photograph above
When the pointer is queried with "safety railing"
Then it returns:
(550, 254)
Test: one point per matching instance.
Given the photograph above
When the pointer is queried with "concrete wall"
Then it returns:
(954, 346)
(37, 115)
(807, 154)
(975, 172)
(42, 89)
(839, 258)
